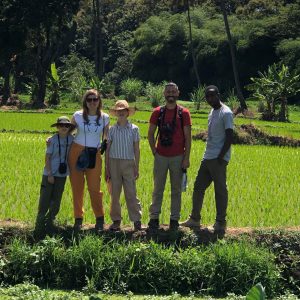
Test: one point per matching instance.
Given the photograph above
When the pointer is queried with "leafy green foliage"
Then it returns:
(275, 86)
(155, 93)
(256, 293)
(142, 268)
(54, 86)
(131, 88)
(198, 96)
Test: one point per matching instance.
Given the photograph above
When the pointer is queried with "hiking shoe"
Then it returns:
(137, 225)
(51, 227)
(153, 224)
(219, 227)
(115, 226)
(77, 225)
(99, 224)
(174, 225)
(191, 223)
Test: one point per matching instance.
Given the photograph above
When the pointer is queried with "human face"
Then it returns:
(92, 101)
(171, 93)
(122, 114)
(213, 99)
(63, 129)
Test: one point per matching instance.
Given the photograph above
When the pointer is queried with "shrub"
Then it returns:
(142, 268)
(232, 100)
(198, 96)
(155, 93)
(131, 88)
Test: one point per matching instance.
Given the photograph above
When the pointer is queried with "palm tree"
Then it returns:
(243, 105)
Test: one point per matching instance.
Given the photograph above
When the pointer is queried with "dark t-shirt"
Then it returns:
(177, 147)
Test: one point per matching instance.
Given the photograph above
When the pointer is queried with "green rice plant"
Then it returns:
(257, 175)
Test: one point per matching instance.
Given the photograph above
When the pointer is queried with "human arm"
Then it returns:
(136, 148)
(107, 172)
(227, 143)
(151, 138)
(48, 168)
(187, 146)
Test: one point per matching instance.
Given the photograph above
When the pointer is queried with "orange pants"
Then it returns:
(93, 179)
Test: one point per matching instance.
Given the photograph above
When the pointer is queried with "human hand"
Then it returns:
(51, 179)
(48, 141)
(136, 172)
(220, 160)
(107, 174)
(185, 163)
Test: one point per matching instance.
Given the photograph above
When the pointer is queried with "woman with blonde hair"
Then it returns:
(92, 128)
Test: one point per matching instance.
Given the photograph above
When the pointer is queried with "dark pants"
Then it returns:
(211, 171)
(50, 198)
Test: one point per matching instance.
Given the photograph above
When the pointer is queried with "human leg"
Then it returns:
(76, 180)
(175, 179)
(93, 178)
(116, 182)
(160, 170)
(129, 184)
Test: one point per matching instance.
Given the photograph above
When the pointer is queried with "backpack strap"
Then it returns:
(161, 115)
(180, 115)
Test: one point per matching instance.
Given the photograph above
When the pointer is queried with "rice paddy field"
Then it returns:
(263, 181)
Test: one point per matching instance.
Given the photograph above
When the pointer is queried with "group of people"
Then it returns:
(169, 136)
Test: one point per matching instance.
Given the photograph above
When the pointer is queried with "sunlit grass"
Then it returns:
(263, 184)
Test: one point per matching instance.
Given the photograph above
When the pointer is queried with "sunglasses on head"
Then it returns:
(64, 125)
(90, 99)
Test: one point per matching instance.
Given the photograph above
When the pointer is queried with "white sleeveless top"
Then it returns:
(89, 134)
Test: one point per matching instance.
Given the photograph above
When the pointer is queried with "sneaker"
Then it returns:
(77, 225)
(174, 225)
(191, 223)
(219, 227)
(153, 224)
(115, 226)
(137, 225)
(99, 224)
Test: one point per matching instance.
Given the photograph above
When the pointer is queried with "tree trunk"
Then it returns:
(41, 93)
(283, 110)
(6, 87)
(191, 44)
(233, 59)
(99, 64)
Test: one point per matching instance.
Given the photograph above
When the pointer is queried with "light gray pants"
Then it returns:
(122, 174)
(163, 164)
(211, 171)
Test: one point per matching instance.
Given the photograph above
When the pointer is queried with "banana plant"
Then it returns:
(256, 293)
(54, 86)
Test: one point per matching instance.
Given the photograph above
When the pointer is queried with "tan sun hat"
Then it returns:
(63, 120)
(120, 105)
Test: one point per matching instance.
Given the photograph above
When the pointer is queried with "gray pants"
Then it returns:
(211, 171)
(163, 164)
(50, 198)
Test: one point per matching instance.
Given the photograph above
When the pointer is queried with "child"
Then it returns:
(122, 165)
(54, 176)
